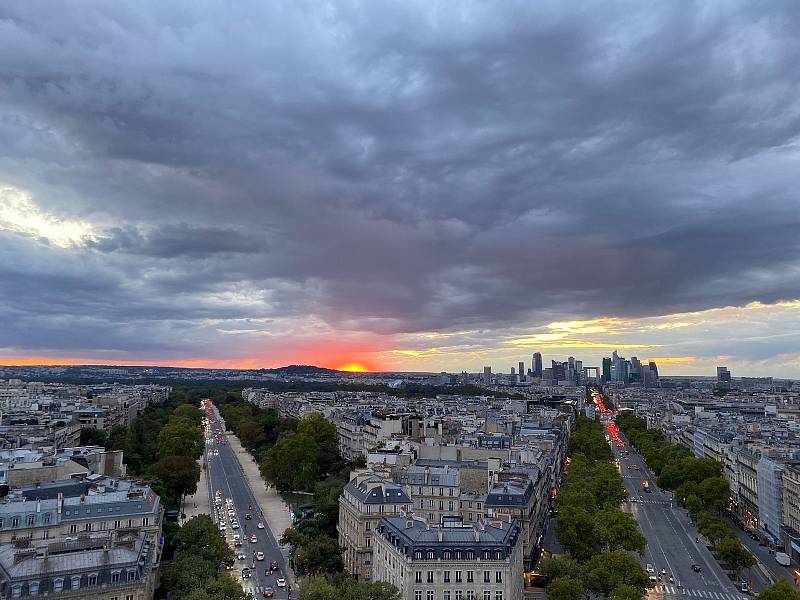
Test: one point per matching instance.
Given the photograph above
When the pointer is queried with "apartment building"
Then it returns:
(434, 491)
(368, 497)
(450, 561)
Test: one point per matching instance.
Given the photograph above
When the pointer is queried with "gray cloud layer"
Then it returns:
(394, 167)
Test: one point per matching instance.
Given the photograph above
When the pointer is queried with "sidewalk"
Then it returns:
(276, 512)
(197, 503)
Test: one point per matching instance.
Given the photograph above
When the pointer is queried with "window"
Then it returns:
(45, 535)
(58, 584)
(458, 554)
(498, 577)
(441, 491)
(73, 528)
(369, 526)
(429, 595)
(15, 521)
(87, 526)
(420, 502)
(103, 525)
(130, 522)
(31, 520)
(450, 491)
(76, 582)
(418, 555)
(1, 523)
(441, 504)
(447, 555)
(92, 580)
(498, 595)
(418, 595)
(470, 553)
(117, 524)
(430, 503)
(114, 576)
(486, 578)
(469, 577)
(430, 576)
(446, 577)
(459, 594)
(458, 576)
(487, 595)
(470, 594)
(429, 555)
(486, 555)
(128, 596)
(450, 505)
(46, 518)
(446, 595)
(498, 555)
(16, 590)
(418, 577)
(33, 588)
(145, 521)
(132, 576)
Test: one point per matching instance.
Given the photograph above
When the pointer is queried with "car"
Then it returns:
(273, 565)
(235, 525)
(222, 527)
(253, 538)
(663, 571)
(280, 582)
(268, 592)
(744, 587)
(697, 568)
(247, 573)
(241, 556)
(259, 555)
(260, 526)
(247, 516)
(650, 570)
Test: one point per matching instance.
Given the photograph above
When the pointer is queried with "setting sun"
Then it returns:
(353, 368)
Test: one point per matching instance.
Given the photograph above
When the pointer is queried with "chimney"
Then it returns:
(410, 520)
(477, 533)
(60, 502)
(440, 535)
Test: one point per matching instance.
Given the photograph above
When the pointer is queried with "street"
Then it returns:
(226, 476)
(671, 541)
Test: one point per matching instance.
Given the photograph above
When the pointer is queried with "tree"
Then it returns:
(625, 592)
(291, 464)
(223, 587)
(324, 434)
(781, 590)
(200, 537)
(179, 474)
(187, 573)
(605, 571)
(694, 505)
(189, 412)
(714, 528)
(251, 435)
(575, 530)
(93, 437)
(618, 530)
(313, 554)
(560, 566)
(565, 588)
(714, 492)
(732, 552)
(347, 588)
(180, 438)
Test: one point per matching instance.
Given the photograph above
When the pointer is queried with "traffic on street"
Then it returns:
(259, 564)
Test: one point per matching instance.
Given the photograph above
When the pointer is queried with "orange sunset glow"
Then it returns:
(353, 368)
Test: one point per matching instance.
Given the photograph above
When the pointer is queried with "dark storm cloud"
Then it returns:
(401, 167)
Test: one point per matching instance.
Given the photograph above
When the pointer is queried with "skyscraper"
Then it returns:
(487, 375)
(537, 364)
(521, 370)
(619, 368)
(606, 370)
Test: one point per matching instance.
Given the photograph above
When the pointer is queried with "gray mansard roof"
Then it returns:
(441, 476)
(377, 490)
(411, 536)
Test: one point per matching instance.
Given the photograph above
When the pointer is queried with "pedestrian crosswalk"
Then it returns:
(279, 592)
(647, 501)
(672, 590)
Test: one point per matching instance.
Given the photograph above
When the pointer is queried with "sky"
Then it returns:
(413, 185)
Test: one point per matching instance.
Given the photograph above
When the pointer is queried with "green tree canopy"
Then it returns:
(179, 476)
(605, 571)
(732, 552)
(565, 588)
(180, 438)
(781, 590)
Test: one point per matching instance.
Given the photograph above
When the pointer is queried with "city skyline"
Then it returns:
(408, 189)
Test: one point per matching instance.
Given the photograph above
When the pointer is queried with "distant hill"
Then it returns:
(300, 370)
